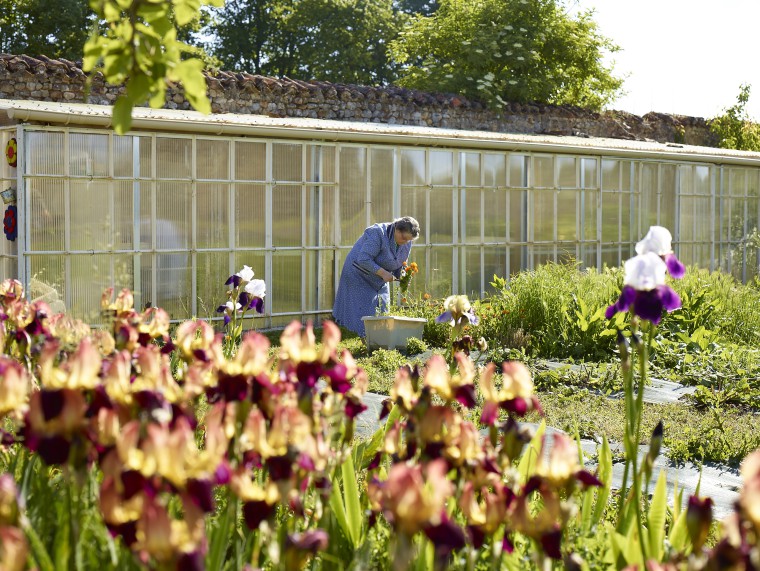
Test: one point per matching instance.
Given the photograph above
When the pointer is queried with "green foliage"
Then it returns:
(342, 41)
(734, 128)
(381, 367)
(415, 346)
(500, 51)
(140, 48)
(555, 311)
(54, 28)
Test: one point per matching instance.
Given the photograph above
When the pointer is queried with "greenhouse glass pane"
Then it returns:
(173, 215)
(353, 193)
(543, 254)
(441, 216)
(412, 167)
(517, 216)
(494, 170)
(668, 197)
(648, 186)
(753, 184)
(318, 206)
(687, 219)
(319, 290)
(286, 216)
(686, 180)
(543, 215)
(588, 255)
(327, 168)
(46, 205)
(413, 204)
(213, 215)
(91, 218)
(381, 181)
(518, 171)
(174, 157)
(626, 175)
(471, 272)
(45, 153)
(287, 162)
(610, 217)
(440, 272)
(147, 221)
(8, 268)
(610, 174)
(685, 254)
(738, 220)
(494, 263)
(738, 181)
(567, 215)
(212, 157)
(88, 154)
(286, 282)
(250, 215)
(543, 172)
(495, 215)
(91, 275)
(441, 168)
(146, 157)
(124, 160)
(610, 256)
(101, 215)
(589, 167)
(471, 175)
(173, 284)
(47, 280)
(471, 208)
(212, 271)
(590, 211)
(567, 176)
(518, 259)
(702, 180)
(250, 161)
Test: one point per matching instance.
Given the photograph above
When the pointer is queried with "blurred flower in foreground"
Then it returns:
(659, 241)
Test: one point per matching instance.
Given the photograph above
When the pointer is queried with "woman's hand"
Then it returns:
(385, 274)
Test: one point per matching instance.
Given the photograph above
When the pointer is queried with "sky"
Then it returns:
(686, 57)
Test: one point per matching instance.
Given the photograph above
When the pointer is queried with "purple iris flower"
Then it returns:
(644, 289)
(646, 304)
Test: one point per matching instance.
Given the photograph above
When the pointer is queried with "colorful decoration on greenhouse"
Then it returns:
(9, 195)
(10, 224)
(11, 152)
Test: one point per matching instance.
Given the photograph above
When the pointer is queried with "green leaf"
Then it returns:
(352, 501)
(605, 476)
(190, 73)
(122, 115)
(185, 11)
(39, 553)
(527, 463)
(679, 533)
(656, 517)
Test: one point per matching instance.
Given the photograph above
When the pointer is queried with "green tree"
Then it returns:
(508, 50)
(734, 128)
(343, 41)
(54, 28)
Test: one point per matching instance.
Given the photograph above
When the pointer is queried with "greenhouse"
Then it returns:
(171, 209)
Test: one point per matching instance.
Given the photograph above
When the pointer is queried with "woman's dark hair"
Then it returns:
(408, 225)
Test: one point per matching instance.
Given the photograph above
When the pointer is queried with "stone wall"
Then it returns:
(44, 79)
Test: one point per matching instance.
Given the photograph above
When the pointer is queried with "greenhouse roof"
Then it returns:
(171, 120)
